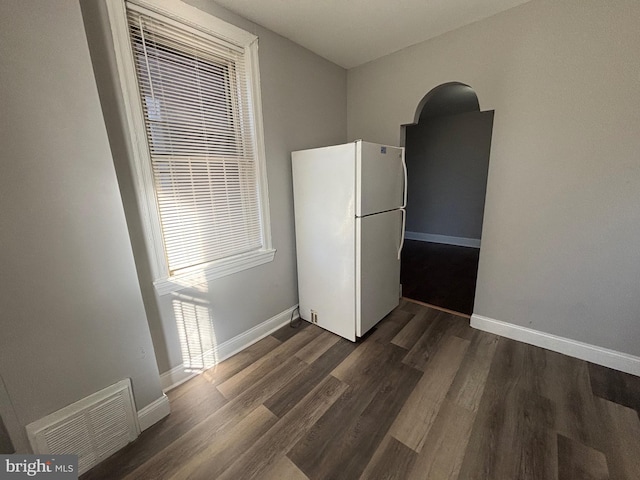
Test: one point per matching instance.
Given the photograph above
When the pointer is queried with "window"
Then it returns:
(190, 85)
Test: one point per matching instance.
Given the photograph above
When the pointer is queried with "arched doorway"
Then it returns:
(447, 155)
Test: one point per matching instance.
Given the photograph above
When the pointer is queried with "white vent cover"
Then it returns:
(92, 428)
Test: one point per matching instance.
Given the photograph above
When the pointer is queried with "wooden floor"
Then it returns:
(424, 396)
(439, 274)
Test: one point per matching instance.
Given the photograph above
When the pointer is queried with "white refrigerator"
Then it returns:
(349, 203)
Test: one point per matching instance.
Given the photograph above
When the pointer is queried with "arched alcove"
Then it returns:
(447, 99)
(447, 156)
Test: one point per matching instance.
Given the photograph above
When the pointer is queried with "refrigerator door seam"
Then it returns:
(378, 213)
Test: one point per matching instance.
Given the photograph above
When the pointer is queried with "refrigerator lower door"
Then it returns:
(378, 238)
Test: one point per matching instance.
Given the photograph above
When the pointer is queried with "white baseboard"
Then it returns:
(431, 237)
(153, 413)
(623, 362)
(177, 375)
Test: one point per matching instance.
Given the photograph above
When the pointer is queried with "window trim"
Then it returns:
(203, 24)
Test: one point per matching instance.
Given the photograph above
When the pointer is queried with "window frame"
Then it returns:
(199, 23)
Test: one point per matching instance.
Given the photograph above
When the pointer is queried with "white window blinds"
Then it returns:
(197, 111)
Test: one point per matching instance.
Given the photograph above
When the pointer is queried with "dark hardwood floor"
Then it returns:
(439, 274)
(424, 396)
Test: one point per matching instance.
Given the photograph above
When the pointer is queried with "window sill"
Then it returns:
(213, 270)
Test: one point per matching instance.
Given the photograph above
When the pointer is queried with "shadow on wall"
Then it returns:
(6, 447)
(447, 155)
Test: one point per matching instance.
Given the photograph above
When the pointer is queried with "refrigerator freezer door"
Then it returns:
(378, 238)
(380, 178)
(324, 205)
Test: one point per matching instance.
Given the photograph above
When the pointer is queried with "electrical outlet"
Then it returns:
(314, 316)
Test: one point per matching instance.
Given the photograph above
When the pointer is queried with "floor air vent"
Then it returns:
(92, 428)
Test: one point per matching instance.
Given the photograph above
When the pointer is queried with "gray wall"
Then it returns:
(447, 164)
(6, 447)
(560, 235)
(304, 106)
(73, 320)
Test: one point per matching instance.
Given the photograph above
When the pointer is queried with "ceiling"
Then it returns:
(352, 32)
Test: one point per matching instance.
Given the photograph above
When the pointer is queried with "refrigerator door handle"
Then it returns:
(404, 169)
(404, 224)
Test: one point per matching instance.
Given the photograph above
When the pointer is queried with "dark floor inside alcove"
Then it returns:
(439, 274)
